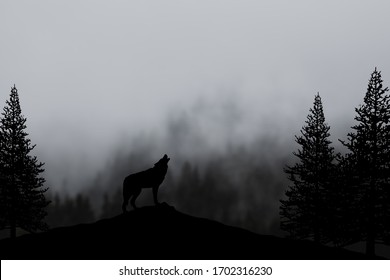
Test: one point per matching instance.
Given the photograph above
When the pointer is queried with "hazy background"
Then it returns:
(108, 86)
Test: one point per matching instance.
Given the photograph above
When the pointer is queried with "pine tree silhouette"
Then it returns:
(304, 214)
(342, 205)
(22, 193)
(368, 160)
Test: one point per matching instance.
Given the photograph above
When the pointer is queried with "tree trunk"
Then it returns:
(371, 230)
(12, 215)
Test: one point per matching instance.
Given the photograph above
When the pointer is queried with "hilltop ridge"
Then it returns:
(161, 232)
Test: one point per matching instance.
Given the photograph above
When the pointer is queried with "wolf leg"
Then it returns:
(135, 195)
(126, 196)
(124, 204)
(155, 191)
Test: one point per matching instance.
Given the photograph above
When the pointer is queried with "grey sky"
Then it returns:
(94, 74)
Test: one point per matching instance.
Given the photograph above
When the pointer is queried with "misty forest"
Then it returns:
(334, 197)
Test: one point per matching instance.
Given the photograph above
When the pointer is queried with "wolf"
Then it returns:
(150, 178)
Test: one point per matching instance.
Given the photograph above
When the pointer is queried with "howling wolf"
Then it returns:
(150, 178)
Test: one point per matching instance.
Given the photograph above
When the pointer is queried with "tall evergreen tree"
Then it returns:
(304, 214)
(22, 193)
(369, 154)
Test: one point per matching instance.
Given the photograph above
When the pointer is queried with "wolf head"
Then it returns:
(162, 162)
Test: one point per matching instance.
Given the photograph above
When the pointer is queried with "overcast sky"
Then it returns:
(92, 75)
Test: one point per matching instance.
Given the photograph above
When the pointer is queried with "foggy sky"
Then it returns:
(98, 76)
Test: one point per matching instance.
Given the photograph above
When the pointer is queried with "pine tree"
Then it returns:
(343, 214)
(22, 193)
(304, 214)
(368, 146)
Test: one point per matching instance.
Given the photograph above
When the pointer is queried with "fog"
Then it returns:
(192, 79)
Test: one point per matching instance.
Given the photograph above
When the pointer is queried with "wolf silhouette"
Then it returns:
(150, 178)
